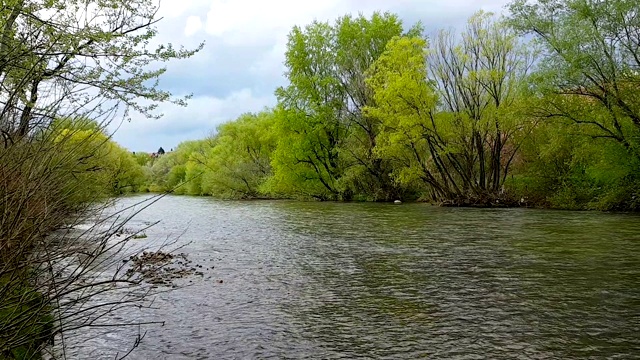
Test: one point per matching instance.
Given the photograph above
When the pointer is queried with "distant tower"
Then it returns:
(161, 151)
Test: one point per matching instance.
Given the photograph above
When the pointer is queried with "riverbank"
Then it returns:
(486, 202)
(502, 202)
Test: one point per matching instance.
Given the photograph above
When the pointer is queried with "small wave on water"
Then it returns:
(340, 281)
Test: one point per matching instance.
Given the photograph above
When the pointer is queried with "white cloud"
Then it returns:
(194, 24)
(178, 8)
(271, 62)
(246, 22)
(196, 121)
(245, 46)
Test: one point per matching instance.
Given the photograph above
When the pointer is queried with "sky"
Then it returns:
(241, 63)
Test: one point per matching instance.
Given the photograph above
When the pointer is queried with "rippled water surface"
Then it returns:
(334, 280)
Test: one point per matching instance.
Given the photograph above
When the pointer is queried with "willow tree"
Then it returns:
(105, 168)
(589, 77)
(405, 104)
(179, 171)
(327, 142)
(480, 80)
(590, 73)
(240, 162)
(452, 107)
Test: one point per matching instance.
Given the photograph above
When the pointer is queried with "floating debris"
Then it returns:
(161, 268)
(127, 232)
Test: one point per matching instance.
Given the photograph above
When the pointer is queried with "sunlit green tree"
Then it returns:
(450, 111)
(240, 162)
(325, 139)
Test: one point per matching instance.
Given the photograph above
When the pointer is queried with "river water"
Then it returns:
(361, 280)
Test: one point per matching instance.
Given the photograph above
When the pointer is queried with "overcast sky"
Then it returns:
(242, 62)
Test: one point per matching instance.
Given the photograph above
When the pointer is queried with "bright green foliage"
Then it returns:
(449, 112)
(591, 69)
(239, 163)
(188, 178)
(179, 171)
(310, 128)
(405, 105)
(590, 78)
(165, 172)
(562, 167)
(322, 131)
(103, 167)
(142, 158)
(235, 163)
(360, 42)
(305, 163)
(481, 82)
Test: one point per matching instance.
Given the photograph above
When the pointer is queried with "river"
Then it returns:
(362, 280)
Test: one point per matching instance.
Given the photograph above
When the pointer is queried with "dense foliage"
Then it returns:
(538, 108)
(67, 68)
(585, 152)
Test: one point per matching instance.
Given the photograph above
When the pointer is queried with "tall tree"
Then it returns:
(326, 133)
(448, 111)
(592, 61)
(479, 79)
(405, 104)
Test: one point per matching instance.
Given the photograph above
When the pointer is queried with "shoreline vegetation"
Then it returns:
(539, 107)
(529, 109)
(67, 70)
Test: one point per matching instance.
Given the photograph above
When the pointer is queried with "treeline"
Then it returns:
(51, 181)
(539, 108)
